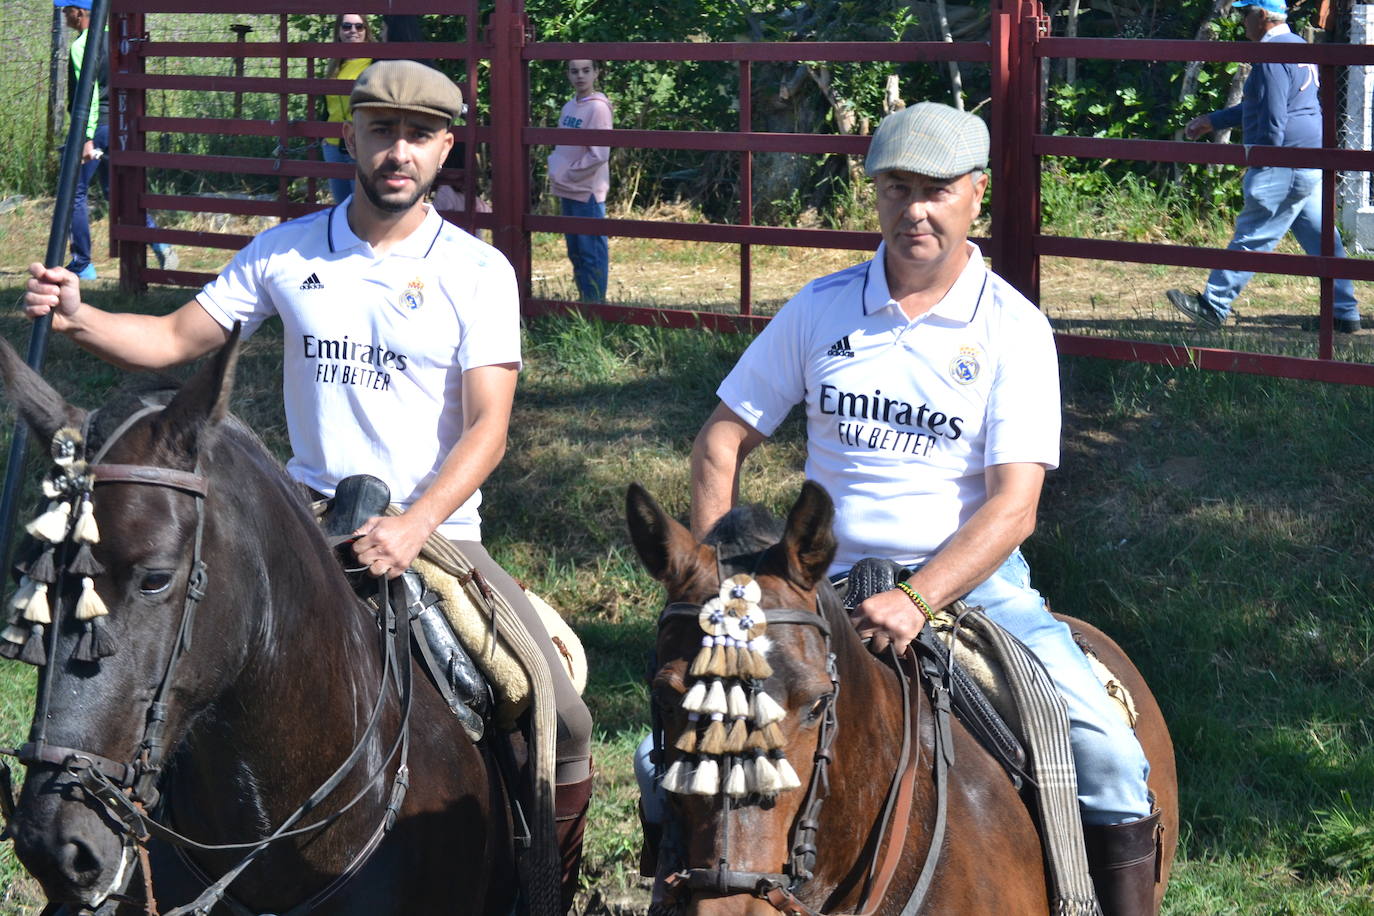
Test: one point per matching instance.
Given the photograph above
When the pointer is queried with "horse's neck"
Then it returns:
(869, 709)
(312, 667)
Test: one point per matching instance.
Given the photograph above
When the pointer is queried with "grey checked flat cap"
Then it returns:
(929, 139)
(408, 85)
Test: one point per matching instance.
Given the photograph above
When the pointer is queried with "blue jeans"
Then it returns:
(339, 188)
(1111, 766)
(590, 254)
(1276, 200)
(81, 211)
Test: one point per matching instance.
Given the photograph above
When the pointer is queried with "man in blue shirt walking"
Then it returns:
(1279, 108)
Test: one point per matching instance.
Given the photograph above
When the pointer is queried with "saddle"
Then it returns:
(971, 705)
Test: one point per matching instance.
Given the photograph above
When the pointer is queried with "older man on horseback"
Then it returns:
(402, 347)
(932, 399)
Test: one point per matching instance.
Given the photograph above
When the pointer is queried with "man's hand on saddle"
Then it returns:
(887, 619)
(389, 544)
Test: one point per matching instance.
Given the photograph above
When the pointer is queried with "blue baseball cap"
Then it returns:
(1269, 6)
(79, 4)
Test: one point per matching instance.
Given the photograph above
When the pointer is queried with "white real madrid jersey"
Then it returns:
(375, 345)
(903, 416)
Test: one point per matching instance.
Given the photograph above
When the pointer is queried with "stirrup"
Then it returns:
(463, 688)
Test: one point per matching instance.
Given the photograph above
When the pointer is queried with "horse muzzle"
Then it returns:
(67, 843)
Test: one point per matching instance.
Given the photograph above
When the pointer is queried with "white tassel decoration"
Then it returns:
(735, 784)
(36, 610)
(85, 530)
(787, 776)
(676, 779)
(89, 605)
(738, 702)
(15, 633)
(51, 526)
(23, 594)
(706, 779)
(766, 780)
(715, 698)
(767, 710)
(695, 698)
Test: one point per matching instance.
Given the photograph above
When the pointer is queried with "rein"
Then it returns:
(127, 789)
(782, 889)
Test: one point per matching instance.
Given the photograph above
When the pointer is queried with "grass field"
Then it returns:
(1218, 526)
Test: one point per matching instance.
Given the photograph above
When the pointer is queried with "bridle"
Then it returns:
(782, 889)
(126, 790)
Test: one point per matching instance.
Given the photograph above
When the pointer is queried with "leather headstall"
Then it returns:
(783, 889)
(127, 789)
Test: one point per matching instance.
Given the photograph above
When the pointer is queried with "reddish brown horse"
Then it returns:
(990, 860)
(227, 713)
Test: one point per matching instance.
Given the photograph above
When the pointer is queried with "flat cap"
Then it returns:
(408, 85)
(929, 139)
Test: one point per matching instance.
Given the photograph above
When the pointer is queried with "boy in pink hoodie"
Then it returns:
(580, 177)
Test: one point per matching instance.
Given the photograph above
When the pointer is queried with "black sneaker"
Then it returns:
(1192, 305)
(1342, 325)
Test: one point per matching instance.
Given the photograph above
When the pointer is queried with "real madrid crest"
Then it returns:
(414, 295)
(964, 367)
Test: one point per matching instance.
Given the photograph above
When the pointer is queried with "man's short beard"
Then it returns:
(387, 206)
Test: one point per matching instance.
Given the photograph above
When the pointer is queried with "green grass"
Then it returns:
(1217, 525)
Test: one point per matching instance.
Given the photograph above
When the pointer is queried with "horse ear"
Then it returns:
(188, 423)
(662, 543)
(809, 541)
(42, 408)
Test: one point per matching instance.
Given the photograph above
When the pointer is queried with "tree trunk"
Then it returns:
(1071, 31)
(1204, 32)
(956, 81)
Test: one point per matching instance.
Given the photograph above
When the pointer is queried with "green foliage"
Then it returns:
(1341, 843)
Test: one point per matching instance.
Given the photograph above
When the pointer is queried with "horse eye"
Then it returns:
(818, 708)
(154, 583)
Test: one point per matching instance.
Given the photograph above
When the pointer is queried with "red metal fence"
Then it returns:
(1017, 45)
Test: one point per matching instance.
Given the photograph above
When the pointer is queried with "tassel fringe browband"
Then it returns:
(68, 520)
(733, 743)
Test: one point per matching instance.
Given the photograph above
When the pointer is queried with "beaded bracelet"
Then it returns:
(917, 600)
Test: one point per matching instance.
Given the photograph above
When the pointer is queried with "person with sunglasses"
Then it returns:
(350, 28)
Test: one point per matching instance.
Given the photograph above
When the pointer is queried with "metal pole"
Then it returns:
(57, 247)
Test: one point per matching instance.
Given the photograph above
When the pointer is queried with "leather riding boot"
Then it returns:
(1124, 862)
(570, 800)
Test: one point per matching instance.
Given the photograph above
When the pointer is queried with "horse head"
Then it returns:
(119, 613)
(745, 691)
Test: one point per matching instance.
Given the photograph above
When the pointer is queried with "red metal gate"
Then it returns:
(1017, 45)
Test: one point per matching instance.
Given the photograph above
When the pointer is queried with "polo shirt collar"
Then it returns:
(415, 245)
(1280, 29)
(959, 304)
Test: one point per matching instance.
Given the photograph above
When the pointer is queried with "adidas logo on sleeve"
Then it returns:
(841, 348)
(312, 282)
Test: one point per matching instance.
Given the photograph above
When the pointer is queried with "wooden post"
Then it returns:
(241, 30)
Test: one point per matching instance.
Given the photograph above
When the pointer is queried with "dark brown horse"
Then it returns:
(990, 860)
(272, 686)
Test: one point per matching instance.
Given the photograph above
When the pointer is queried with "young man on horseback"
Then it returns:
(932, 398)
(402, 346)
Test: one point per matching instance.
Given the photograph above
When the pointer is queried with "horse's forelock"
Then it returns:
(744, 531)
(123, 404)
